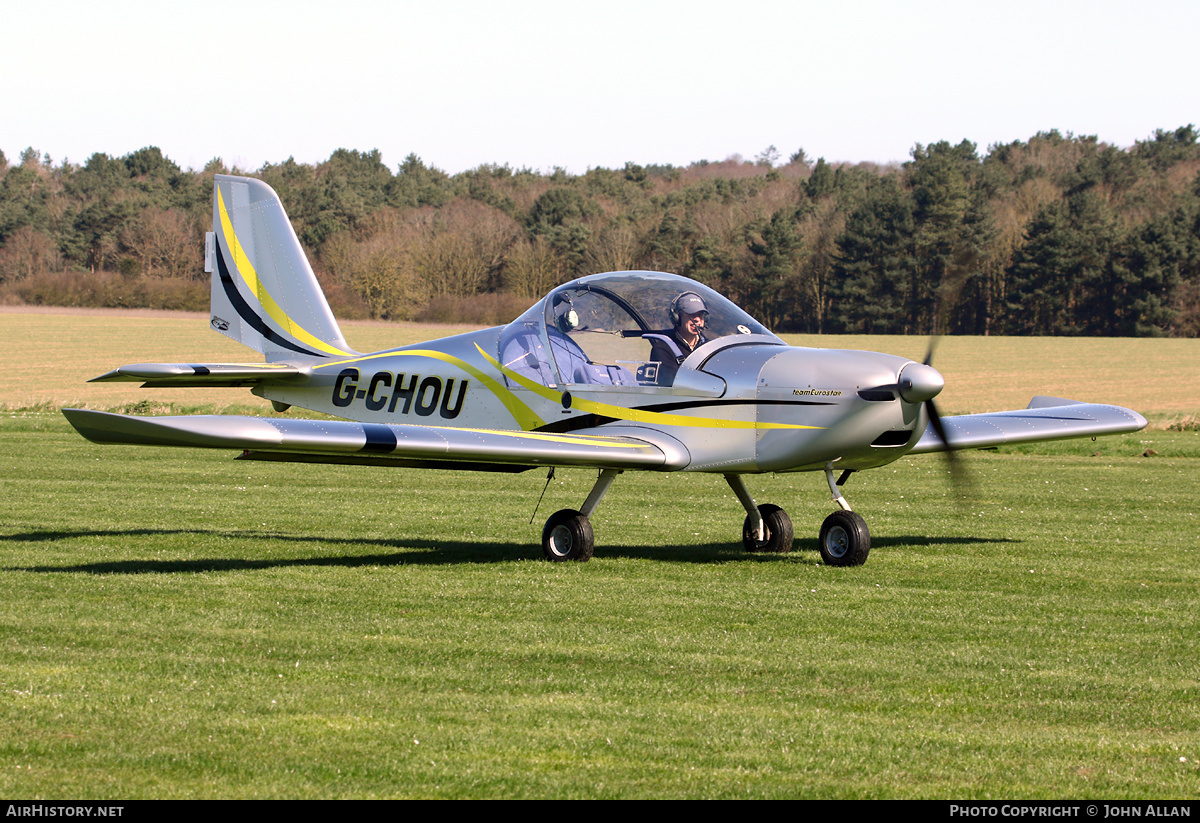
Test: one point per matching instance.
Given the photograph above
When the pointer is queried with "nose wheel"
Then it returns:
(845, 540)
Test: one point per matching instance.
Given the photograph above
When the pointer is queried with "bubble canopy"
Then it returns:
(594, 330)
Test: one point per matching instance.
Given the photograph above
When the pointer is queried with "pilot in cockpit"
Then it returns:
(671, 347)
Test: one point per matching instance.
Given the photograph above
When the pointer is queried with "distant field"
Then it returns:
(47, 357)
(1158, 377)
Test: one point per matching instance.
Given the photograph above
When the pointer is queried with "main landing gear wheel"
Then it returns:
(568, 536)
(845, 540)
(777, 528)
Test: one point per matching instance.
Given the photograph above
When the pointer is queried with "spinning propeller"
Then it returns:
(919, 383)
(958, 472)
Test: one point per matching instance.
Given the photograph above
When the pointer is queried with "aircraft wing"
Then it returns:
(338, 441)
(1046, 418)
(190, 375)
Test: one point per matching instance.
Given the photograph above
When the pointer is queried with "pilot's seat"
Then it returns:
(574, 366)
(524, 353)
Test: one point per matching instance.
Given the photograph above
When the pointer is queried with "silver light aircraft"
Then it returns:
(580, 379)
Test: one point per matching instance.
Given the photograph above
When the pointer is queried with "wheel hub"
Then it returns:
(560, 541)
(837, 542)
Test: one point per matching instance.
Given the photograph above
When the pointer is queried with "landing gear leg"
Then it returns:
(767, 527)
(833, 488)
(845, 539)
(568, 533)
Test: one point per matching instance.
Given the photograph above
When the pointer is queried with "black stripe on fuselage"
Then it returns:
(591, 421)
(248, 314)
(711, 404)
(570, 424)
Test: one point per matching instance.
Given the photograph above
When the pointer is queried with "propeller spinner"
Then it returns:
(919, 383)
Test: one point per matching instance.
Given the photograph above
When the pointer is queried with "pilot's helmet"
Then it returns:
(687, 303)
(565, 320)
(568, 321)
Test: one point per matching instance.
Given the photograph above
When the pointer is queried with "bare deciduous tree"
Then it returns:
(26, 253)
(167, 242)
(533, 268)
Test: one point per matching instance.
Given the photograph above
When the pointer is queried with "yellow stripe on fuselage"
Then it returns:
(528, 420)
(242, 265)
(637, 415)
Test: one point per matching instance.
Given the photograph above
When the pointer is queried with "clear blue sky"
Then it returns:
(578, 83)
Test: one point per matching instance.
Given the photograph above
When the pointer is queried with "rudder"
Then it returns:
(264, 293)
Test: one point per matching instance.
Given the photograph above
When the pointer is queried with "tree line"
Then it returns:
(1056, 235)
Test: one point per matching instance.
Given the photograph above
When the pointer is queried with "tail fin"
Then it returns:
(264, 293)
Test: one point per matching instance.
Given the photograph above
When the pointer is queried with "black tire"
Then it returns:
(845, 540)
(568, 536)
(778, 528)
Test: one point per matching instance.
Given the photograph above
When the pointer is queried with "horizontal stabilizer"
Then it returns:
(176, 375)
(1046, 418)
(379, 442)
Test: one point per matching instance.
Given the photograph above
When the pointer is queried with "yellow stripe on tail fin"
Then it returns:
(264, 293)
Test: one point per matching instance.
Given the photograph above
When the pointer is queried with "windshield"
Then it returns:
(616, 329)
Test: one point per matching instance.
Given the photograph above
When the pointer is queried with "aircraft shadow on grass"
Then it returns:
(419, 552)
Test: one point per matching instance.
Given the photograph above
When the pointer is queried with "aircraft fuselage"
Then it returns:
(749, 406)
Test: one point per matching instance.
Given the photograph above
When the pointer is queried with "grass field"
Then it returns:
(178, 624)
